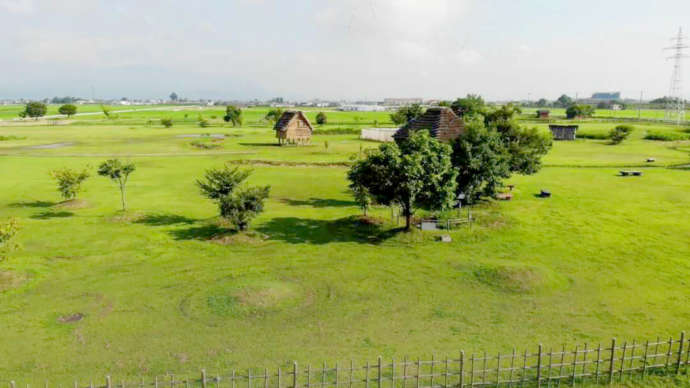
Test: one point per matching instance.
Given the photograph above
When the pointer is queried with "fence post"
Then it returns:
(539, 367)
(680, 351)
(12, 385)
(379, 373)
(279, 378)
(203, 378)
(294, 375)
(613, 359)
(108, 383)
(462, 368)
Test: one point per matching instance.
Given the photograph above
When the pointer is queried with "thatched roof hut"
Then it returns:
(563, 132)
(441, 122)
(293, 127)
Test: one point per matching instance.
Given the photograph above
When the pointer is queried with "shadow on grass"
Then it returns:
(318, 202)
(303, 230)
(51, 214)
(206, 232)
(39, 204)
(163, 219)
(260, 144)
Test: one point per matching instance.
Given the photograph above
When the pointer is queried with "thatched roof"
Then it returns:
(442, 123)
(286, 118)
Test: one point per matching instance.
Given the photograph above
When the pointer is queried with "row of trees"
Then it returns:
(37, 109)
(237, 202)
(421, 172)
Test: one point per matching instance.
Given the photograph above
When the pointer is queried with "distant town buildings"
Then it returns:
(402, 101)
(601, 96)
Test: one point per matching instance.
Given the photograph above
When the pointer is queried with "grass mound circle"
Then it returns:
(522, 279)
(242, 298)
(73, 204)
(10, 280)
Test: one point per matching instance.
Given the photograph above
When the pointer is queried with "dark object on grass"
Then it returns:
(631, 173)
(651, 160)
(511, 187)
(545, 194)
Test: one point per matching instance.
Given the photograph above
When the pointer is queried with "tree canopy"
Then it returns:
(321, 118)
(34, 109)
(119, 172)
(68, 110)
(415, 174)
(273, 115)
(471, 105)
(406, 113)
(579, 110)
(233, 115)
(563, 101)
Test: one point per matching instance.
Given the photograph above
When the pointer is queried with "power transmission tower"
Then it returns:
(675, 106)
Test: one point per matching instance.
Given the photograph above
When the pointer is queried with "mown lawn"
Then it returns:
(157, 291)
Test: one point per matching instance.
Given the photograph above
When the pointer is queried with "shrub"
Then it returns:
(8, 230)
(579, 110)
(243, 205)
(238, 205)
(11, 137)
(167, 122)
(203, 123)
(69, 181)
(205, 146)
(595, 135)
(665, 136)
(321, 118)
(620, 133)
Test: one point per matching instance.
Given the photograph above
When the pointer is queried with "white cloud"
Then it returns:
(17, 6)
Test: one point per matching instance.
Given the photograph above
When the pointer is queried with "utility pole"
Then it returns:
(675, 106)
(639, 106)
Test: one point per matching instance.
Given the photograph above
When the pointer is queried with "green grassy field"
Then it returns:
(605, 256)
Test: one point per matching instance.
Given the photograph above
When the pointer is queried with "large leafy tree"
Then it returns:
(233, 115)
(34, 110)
(68, 110)
(525, 147)
(406, 113)
(481, 160)
(471, 105)
(415, 174)
(119, 172)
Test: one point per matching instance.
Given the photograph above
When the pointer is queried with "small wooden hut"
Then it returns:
(442, 124)
(543, 113)
(563, 132)
(293, 127)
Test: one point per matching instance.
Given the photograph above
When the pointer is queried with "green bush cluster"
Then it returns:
(665, 136)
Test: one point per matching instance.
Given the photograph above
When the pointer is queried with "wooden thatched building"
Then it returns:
(442, 124)
(293, 127)
(563, 132)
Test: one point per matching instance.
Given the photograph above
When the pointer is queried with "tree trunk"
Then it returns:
(122, 196)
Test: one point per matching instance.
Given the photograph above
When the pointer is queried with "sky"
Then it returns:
(338, 49)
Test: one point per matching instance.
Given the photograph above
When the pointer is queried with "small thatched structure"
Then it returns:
(563, 132)
(543, 113)
(442, 124)
(293, 127)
